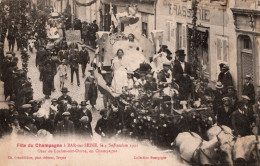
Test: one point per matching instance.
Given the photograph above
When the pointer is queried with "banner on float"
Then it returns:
(73, 36)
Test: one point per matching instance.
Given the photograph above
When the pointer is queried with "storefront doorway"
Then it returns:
(246, 60)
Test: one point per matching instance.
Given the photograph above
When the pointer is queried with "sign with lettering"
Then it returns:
(73, 36)
(183, 11)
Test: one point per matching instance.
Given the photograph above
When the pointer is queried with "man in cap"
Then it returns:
(227, 78)
(91, 89)
(183, 74)
(103, 126)
(26, 114)
(6, 118)
(65, 127)
(65, 95)
(63, 53)
(86, 112)
(224, 112)
(164, 76)
(84, 130)
(242, 120)
(74, 65)
(249, 90)
(84, 59)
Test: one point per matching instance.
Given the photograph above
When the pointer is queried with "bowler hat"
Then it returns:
(180, 53)
(83, 103)
(64, 89)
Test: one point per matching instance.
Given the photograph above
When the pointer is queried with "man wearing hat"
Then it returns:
(221, 74)
(12, 31)
(227, 78)
(65, 95)
(242, 120)
(218, 95)
(41, 55)
(84, 59)
(62, 70)
(6, 117)
(84, 130)
(65, 127)
(86, 112)
(63, 53)
(182, 73)
(74, 65)
(103, 126)
(249, 90)
(91, 89)
(164, 76)
(224, 112)
(26, 114)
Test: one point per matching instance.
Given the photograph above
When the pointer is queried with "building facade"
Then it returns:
(216, 31)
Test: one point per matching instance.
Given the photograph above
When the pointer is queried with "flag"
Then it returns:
(113, 17)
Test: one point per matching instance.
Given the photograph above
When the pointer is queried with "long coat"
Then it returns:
(227, 80)
(47, 80)
(91, 90)
(185, 83)
(224, 117)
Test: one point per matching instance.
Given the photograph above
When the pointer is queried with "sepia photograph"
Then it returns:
(129, 82)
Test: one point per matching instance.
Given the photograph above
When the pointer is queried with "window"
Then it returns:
(145, 24)
(145, 29)
(222, 51)
(184, 36)
(247, 43)
(169, 31)
(179, 36)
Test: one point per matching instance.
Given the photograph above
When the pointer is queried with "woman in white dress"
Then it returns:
(119, 72)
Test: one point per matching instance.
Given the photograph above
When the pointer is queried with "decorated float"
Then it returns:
(146, 114)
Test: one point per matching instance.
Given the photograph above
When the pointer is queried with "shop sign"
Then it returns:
(185, 12)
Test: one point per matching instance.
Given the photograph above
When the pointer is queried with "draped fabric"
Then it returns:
(85, 4)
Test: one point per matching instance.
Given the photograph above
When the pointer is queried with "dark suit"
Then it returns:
(74, 65)
(241, 123)
(65, 128)
(84, 59)
(185, 83)
(224, 117)
(227, 80)
(249, 91)
(12, 30)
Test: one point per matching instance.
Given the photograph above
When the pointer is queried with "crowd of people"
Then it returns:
(88, 31)
(155, 97)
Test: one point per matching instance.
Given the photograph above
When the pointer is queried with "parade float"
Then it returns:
(146, 114)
